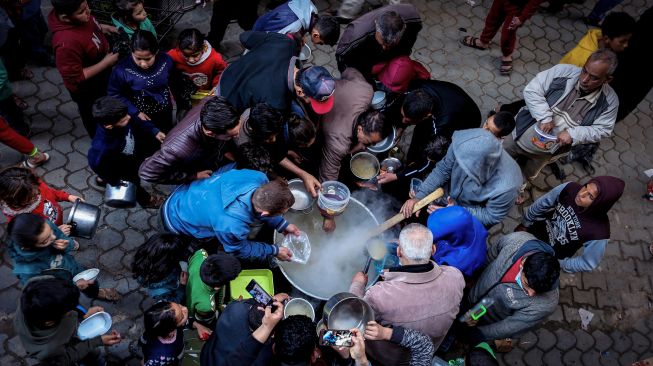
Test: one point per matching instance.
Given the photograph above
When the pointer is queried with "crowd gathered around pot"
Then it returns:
(226, 137)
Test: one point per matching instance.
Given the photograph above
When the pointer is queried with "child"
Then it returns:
(141, 82)
(131, 16)
(11, 138)
(21, 191)
(207, 276)
(156, 267)
(119, 147)
(82, 54)
(163, 339)
(37, 247)
(46, 323)
(195, 58)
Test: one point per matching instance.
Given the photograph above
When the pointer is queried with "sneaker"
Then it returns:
(37, 160)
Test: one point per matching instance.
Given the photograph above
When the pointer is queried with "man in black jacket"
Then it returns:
(271, 73)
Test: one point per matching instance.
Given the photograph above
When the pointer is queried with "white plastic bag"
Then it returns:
(299, 245)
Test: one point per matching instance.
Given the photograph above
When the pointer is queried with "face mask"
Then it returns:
(518, 279)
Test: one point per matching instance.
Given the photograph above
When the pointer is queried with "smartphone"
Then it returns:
(338, 338)
(258, 293)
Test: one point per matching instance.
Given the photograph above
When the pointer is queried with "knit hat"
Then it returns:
(397, 73)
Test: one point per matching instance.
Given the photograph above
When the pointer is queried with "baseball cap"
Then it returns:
(318, 85)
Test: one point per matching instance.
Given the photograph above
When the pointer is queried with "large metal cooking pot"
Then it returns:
(84, 219)
(346, 311)
(122, 195)
(335, 257)
(303, 200)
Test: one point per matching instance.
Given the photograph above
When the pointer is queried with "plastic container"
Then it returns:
(262, 276)
(544, 140)
(333, 198)
(478, 310)
(299, 245)
(95, 325)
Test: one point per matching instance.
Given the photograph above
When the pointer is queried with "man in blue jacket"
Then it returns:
(225, 205)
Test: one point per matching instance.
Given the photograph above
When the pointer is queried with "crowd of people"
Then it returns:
(267, 117)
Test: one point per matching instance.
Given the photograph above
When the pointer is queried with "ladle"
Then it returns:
(394, 220)
(376, 250)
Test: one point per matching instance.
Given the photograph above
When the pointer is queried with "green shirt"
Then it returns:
(145, 25)
(202, 300)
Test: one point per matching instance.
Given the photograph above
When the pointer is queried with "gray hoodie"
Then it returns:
(478, 174)
(513, 312)
(59, 342)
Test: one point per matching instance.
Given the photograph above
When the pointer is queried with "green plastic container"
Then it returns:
(262, 276)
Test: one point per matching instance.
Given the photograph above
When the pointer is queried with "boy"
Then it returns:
(82, 54)
(46, 323)
(117, 148)
(615, 32)
(207, 276)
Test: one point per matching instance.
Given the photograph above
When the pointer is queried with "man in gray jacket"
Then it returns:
(478, 174)
(572, 105)
(522, 279)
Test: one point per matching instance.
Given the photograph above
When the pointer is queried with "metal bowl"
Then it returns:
(390, 165)
(305, 53)
(303, 200)
(122, 195)
(347, 311)
(386, 144)
(364, 165)
(84, 219)
(378, 100)
(299, 306)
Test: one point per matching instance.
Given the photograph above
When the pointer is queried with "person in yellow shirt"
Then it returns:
(615, 32)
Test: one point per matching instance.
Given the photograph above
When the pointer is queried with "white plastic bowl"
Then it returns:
(94, 326)
(88, 275)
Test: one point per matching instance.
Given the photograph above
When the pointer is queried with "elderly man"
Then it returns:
(476, 172)
(575, 105)
(225, 206)
(418, 294)
(194, 148)
(379, 35)
(522, 278)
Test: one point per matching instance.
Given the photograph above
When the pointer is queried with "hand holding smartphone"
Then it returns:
(259, 294)
(337, 338)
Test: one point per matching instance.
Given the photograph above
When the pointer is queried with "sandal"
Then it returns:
(108, 294)
(470, 41)
(506, 67)
(20, 103)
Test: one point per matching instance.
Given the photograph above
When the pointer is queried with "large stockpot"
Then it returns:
(122, 195)
(84, 219)
(346, 311)
(335, 257)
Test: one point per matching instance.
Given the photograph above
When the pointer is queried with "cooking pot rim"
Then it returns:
(376, 221)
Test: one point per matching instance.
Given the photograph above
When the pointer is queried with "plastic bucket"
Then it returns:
(544, 140)
(333, 198)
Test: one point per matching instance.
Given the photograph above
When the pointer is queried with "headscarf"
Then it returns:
(459, 239)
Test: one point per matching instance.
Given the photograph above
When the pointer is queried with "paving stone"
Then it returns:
(557, 316)
(552, 357)
(637, 299)
(572, 357)
(8, 299)
(527, 341)
(133, 239)
(571, 314)
(532, 357)
(591, 357)
(640, 343)
(584, 340)
(594, 280)
(622, 342)
(628, 358)
(7, 278)
(584, 297)
(566, 339)
(546, 339)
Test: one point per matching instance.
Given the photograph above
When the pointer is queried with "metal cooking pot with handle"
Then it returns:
(84, 219)
(345, 310)
(122, 195)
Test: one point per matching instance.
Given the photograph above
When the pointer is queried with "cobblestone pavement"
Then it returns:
(618, 292)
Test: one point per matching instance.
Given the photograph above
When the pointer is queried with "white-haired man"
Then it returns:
(418, 294)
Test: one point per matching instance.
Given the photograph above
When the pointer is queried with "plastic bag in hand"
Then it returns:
(299, 245)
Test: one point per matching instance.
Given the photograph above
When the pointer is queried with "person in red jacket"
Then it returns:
(21, 191)
(82, 54)
(11, 138)
(195, 58)
(507, 15)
